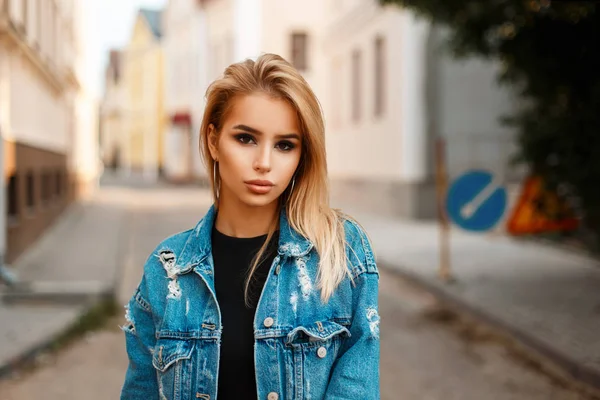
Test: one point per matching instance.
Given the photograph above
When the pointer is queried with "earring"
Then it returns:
(215, 178)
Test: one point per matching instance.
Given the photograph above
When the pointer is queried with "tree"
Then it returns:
(550, 53)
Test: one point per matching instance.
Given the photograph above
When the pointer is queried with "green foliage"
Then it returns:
(93, 319)
(550, 53)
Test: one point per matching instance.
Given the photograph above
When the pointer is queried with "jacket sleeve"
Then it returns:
(140, 378)
(355, 373)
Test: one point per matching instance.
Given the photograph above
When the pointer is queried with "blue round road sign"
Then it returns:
(475, 201)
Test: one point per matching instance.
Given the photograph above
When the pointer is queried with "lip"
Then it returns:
(259, 189)
(258, 182)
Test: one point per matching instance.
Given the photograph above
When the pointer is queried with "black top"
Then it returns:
(232, 259)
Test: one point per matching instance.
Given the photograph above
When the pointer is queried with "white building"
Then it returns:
(186, 80)
(387, 87)
(46, 116)
(239, 29)
(392, 92)
(112, 116)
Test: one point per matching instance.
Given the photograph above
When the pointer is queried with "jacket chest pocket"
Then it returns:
(315, 348)
(172, 360)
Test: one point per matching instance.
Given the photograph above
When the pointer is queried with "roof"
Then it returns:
(154, 20)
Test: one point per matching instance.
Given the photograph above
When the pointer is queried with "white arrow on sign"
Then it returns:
(470, 208)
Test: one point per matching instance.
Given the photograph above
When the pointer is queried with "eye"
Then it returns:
(244, 138)
(286, 146)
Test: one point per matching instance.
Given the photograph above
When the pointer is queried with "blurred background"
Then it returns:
(462, 134)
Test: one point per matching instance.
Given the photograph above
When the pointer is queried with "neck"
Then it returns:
(240, 220)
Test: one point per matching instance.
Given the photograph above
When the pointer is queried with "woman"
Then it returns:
(273, 295)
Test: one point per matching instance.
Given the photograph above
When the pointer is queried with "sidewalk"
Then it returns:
(84, 247)
(546, 298)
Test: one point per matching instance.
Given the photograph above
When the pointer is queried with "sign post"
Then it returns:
(441, 185)
(475, 202)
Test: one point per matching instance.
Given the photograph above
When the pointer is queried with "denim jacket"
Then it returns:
(304, 349)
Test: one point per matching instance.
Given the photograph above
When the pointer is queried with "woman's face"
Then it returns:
(258, 150)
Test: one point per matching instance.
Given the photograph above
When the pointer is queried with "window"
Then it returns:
(13, 198)
(336, 93)
(138, 83)
(30, 182)
(379, 106)
(215, 64)
(300, 51)
(46, 187)
(356, 92)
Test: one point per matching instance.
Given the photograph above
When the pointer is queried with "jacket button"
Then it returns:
(277, 269)
(273, 396)
(268, 322)
(322, 352)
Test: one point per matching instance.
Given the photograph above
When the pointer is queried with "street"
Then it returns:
(423, 356)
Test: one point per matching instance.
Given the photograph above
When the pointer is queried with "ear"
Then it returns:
(213, 141)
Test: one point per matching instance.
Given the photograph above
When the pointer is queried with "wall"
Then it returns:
(367, 148)
(30, 223)
(470, 105)
(39, 115)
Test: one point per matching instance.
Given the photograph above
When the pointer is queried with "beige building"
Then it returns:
(42, 115)
(392, 92)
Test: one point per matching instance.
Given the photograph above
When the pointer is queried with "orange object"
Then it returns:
(539, 210)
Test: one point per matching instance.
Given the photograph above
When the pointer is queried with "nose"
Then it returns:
(262, 162)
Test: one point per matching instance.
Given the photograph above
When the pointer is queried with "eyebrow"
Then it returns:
(257, 132)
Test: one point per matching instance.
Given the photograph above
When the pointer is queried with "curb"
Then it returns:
(567, 366)
(28, 356)
(56, 293)
(570, 248)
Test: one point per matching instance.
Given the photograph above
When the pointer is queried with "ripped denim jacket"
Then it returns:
(304, 349)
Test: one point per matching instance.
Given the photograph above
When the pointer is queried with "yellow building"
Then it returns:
(144, 122)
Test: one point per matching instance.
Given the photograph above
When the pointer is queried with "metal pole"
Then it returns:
(441, 185)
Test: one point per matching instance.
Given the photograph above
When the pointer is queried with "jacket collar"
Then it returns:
(198, 244)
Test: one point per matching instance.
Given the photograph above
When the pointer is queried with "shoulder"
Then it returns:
(359, 249)
(168, 248)
(158, 267)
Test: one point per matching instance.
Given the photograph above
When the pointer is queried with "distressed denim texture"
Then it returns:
(304, 349)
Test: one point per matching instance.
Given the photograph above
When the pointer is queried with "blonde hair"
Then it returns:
(307, 201)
